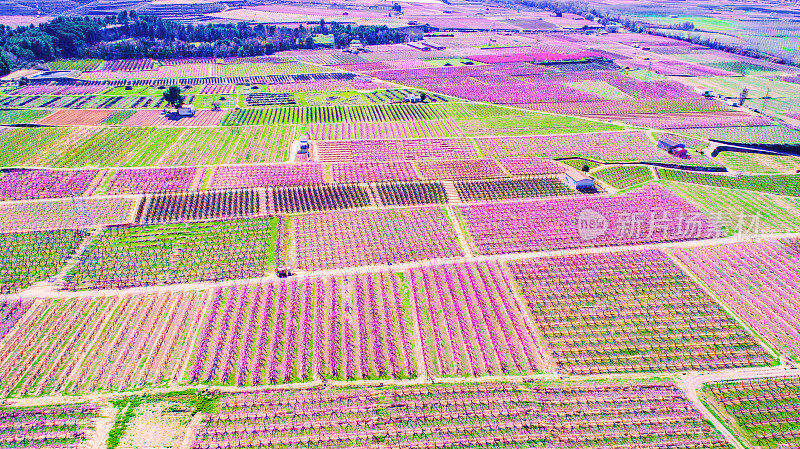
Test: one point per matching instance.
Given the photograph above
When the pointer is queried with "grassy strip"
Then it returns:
(716, 415)
(127, 408)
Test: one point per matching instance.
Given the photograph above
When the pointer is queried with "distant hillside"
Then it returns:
(172, 9)
(38, 7)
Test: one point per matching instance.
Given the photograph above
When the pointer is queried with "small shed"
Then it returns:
(579, 180)
(304, 148)
(356, 45)
(412, 98)
(672, 146)
(186, 110)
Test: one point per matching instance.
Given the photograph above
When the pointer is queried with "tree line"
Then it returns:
(582, 8)
(129, 35)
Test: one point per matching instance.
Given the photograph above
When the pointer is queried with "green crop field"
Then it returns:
(743, 68)
(624, 176)
(778, 184)
(764, 410)
(482, 110)
(601, 89)
(144, 146)
(23, 146)
(140, 91)
(757, 87)
(267, 68)
(129, 146)
(32, 256)
(329, 114)
(759, 163)
(232, 145)
(184, 252)
(531, 124)
(15, 116)
(118, 117)
(453, 62)
(776, 214)
(706, 23)
(76, 64)
(770, 135)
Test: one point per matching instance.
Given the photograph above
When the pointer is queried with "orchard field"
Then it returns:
(432, 244)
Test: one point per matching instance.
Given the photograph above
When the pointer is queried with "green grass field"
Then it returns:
(644, 75)
(225, 101)
(579, 164)
(531, 124)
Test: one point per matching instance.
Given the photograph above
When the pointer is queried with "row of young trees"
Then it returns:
(129, 35)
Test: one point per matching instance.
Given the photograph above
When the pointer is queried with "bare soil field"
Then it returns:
(158, 118)
(68, 117)
(16, 21)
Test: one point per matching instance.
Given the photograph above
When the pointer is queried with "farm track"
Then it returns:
(102, 426)
(73, 260)
(692, 383)
(687, 381)
(51, 293)
(224, 146)
(460, 232)
(191, 430)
